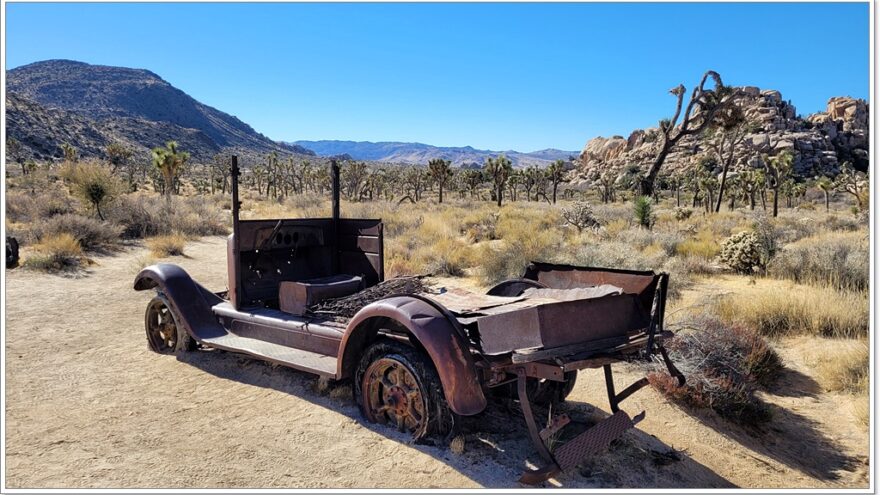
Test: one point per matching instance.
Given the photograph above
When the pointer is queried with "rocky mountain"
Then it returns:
(88, 106)
(820, 142)
(420, 154)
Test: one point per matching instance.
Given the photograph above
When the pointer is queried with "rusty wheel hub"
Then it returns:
(392, 395)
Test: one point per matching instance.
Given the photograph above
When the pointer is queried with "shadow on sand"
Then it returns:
(496, 441)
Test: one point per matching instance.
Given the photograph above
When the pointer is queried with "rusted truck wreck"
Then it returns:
(416, 360)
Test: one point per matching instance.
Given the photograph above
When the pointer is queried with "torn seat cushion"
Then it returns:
(295, 297)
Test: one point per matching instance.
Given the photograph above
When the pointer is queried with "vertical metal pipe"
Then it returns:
(236, 238)
(334, 176)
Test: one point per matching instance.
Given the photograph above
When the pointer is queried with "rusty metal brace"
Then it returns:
(591, 442)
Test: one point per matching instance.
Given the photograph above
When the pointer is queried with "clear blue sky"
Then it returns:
(498, 76)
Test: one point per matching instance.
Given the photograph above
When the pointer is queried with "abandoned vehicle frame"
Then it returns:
(417, 359)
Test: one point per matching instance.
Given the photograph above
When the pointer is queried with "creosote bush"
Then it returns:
(580, 216)
(838, 260)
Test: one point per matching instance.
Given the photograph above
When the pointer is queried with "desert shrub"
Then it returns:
(446, 257)
(839, 260)
(723, 365)
(742, 252)
(802, 309)
(579, 215)
(56, 253)
(643, 212)
(93, 184)
(26, 207)
(479, 227)
(167, 245)
(91, 234)
(682, 213)
(839, 223)
(144, 216)
(845, 369)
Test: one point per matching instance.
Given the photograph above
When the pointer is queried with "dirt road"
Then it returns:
(87, 405)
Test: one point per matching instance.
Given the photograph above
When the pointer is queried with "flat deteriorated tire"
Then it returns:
(396, 384)
(164, 335)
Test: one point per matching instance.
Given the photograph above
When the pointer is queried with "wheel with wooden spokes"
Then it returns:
(397, 385)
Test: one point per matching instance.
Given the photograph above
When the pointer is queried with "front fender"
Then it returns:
(433, 330)
(190, 301)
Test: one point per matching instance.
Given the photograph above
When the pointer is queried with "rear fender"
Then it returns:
(433, 330)
(190, 301)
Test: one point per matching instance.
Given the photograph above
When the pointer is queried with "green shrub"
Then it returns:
(838, 260)
(643, 212)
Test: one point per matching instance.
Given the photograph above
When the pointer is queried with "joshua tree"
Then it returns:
(440, 173)
(15, 152)
(778, 169)
(751, 181)
(825, 185)
(414, 181)
(70, 153)
(607, 182)
(853, 182)
(170, 163)
(513, 183)
(698, 115)
(473, 179)
(94, 184)
(556, 174)
(530, 178)
(220, 169)
(118, 155)
(723, 139)
(498, 171)
(354, 177)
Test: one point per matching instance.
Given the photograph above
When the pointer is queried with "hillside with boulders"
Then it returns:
(820, 142)
(54, 102)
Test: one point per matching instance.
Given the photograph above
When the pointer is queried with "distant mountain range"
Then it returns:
(54, 102)
(420, 154)
(88, 106)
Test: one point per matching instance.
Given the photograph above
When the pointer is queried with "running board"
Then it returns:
(310, 362)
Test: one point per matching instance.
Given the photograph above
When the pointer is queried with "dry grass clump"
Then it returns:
(723, 365)
(167, 245)
(775, 310)
(525, 237)
(90, 233)
(846, 369)
(703, 244)
(59, 252)
(839, 259)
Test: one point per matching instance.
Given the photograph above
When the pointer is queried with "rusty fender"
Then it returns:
(433, 330)
(190, 301)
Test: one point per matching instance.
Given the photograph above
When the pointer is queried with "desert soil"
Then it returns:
(88, 405)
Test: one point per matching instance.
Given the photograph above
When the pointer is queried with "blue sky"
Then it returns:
(498, 76)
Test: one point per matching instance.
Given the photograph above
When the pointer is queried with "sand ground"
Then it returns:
(88, 405)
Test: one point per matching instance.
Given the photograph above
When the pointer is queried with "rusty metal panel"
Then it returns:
(557, 324)
(642, 283)
(295, 297)
(593, 441)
